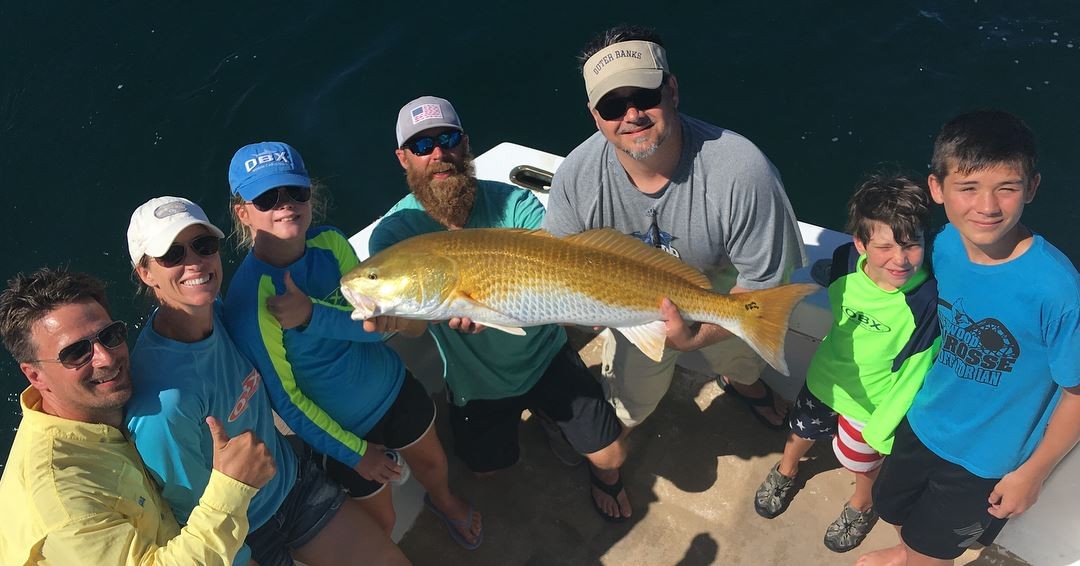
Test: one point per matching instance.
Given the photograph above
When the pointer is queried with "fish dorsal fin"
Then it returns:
(612, 241)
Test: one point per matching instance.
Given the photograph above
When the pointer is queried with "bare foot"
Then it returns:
(458, 511)
(617, 507)
(892, 556)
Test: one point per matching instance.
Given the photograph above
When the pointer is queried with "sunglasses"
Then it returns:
(425, 145)
(270, 199)
(205, 246)
(79, 353)
(614, 107)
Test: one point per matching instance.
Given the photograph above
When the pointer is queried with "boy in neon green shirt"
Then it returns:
(883, 339)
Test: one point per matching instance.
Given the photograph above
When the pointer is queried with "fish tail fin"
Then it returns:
(763, 319)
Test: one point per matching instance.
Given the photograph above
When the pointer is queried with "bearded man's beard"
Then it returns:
(449, 201)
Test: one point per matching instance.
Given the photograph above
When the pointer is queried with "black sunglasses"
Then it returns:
(425, 145)
(614, 107)
(205, 246)
(79, 353)
(270, 199)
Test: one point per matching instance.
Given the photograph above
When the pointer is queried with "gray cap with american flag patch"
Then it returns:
(424, 113)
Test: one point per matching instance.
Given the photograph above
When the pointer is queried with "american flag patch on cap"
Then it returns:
(425, 112)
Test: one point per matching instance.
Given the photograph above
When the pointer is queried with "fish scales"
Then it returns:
(546, 282)
(510, 278)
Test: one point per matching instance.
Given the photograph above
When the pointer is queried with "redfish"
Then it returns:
(510, 279)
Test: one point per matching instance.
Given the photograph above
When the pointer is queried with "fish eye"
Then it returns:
(372, 275)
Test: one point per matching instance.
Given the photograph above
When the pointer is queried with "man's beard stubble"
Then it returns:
(449, 201)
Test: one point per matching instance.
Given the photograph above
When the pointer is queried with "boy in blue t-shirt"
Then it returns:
(1000, 407)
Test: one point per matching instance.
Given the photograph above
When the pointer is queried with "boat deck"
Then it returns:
(693, 468)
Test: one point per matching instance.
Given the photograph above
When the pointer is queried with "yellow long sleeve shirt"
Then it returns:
(77, 493)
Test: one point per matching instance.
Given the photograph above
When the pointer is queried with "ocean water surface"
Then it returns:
(104, 105)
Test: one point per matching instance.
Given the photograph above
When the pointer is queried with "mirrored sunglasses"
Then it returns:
(205, 246)
(614, 107)
(425, 145)
(79, 353)
(270, 199)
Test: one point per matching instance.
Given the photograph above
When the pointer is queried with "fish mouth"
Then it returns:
(364, 307)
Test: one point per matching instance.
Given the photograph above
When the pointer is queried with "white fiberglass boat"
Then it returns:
(1045, 535)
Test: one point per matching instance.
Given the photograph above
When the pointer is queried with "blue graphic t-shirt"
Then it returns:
(1010, 339)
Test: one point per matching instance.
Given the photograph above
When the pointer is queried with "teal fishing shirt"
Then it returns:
(491, 364)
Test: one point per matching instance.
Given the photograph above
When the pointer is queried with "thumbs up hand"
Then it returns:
(292, 308)
(243, 457)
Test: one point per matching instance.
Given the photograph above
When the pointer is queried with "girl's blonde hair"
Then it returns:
(241, 235)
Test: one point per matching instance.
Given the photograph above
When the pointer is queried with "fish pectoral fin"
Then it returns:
(649, 338)
(506, 329)
(483, 314)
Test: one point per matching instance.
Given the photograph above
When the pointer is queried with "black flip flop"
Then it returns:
(768, 400)
(611, 489)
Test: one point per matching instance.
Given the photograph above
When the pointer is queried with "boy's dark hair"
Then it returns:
(617, 34)
(983, 139)
(29, 298)
(893, 200)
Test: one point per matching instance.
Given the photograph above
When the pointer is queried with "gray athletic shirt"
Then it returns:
(724, 211)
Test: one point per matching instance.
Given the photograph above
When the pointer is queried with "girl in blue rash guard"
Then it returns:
(330, 378)
(187, 368)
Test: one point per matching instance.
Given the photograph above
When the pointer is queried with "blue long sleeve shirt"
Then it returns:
(330, 381)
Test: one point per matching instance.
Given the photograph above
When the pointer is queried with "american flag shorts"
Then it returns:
(812, 419)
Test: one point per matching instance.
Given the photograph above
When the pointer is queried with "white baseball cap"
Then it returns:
(156, 223)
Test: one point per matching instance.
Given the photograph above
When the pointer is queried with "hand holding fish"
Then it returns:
(375, 465)
(291, 309)
(687, 337)
(387, 324)
(465, 325)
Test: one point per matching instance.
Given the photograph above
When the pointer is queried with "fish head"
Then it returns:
(404, 285)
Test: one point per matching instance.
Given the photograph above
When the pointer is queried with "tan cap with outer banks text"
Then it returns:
(639, 64)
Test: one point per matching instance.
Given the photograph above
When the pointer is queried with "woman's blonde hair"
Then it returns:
(241, 235)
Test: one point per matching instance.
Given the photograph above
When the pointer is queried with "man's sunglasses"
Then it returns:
(270, 199)
(79, 353)
(614, 107)
(205, 246)
(425, 145)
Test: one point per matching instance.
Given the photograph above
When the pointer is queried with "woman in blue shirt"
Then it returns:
(188, 368)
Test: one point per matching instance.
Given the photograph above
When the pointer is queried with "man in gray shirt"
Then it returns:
(702, 193)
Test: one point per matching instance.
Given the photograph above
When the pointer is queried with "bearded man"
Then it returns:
(491, 376)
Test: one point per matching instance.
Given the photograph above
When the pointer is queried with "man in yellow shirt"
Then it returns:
(74, 489)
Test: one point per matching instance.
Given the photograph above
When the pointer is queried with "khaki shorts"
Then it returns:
(635, 384)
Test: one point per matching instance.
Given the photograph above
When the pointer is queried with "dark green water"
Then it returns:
(104, 105)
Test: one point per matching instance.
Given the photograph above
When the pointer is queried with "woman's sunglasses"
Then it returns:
(270, 199)
(614, 107)
(79, 353)
(205, 246)
(425, 145)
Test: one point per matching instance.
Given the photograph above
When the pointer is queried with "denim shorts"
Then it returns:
(308, 507)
